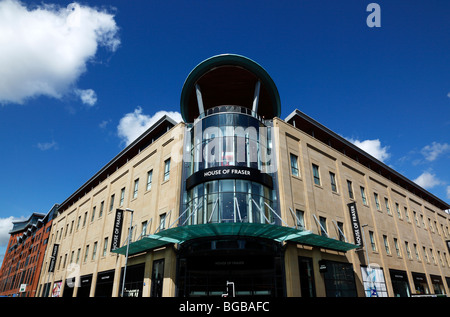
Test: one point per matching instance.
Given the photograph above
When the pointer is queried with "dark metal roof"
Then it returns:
(229, 79)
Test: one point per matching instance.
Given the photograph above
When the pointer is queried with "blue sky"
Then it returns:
(81, 80)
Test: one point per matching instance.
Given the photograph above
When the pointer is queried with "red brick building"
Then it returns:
(19, 274)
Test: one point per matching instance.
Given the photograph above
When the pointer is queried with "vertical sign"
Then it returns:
(355, 224)
(51, 266)
(117, 230)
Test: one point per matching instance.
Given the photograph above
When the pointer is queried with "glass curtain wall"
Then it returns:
(229, 139)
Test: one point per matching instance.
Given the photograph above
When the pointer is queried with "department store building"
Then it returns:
(236, 201)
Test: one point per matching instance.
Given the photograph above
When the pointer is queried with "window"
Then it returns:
(105, 246)
(333, 182)
(86, 253)
(377, 202)
(162, 221)
(144, 228)
(397, 248)
(386, 202)
(78, 255)
(408, 251)
(122, 196)
(101, 209)
(316, 174)
(149, 179)
(407, 214)
(300, 218)
(386, 244)
(78, 222)
(94, 251)
(294, 165)
(111, 204)
(340, 226)
(350, 189)
(425, 254)
(399, 214)
(416, 251)
(136, 187)
(84, 219)
(93, 213)
(166, 169)
(372, 241)
(363, 195)
(415, 218)
(323, 226)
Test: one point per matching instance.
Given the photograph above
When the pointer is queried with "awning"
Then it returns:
(278, 233)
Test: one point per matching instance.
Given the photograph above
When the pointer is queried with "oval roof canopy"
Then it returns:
(229, 79)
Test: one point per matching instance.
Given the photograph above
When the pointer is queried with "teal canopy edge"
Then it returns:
(274, 232)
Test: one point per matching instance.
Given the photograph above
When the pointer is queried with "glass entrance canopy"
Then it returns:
(277, 233)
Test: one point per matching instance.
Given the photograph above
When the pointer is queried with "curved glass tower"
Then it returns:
(228, 102)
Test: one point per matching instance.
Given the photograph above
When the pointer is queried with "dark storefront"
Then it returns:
(339, 279)
(252, 266)
(400, 285)
(420, 283)
(134, 281)
(84, 288)
(105, 282)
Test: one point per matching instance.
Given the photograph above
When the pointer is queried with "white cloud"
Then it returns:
(87, 96)
(431, 152)
(133, 124)
(44, 50)
(6, 225)
(373, 147)
(47, 145)
(428, 180)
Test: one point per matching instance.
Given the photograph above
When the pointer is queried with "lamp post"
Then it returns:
(128, 246)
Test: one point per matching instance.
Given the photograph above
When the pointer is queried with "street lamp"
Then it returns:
(128, 246)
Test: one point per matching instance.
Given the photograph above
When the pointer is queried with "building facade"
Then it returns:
(236, 201)
(21, 267)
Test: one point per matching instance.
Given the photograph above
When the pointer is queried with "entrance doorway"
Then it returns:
(207, 267)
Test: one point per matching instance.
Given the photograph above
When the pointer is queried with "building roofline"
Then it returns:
(139, 143)
(431, 198)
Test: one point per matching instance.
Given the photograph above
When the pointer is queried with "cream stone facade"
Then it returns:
(283, 231)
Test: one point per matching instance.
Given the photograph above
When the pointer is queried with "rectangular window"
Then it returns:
(100, 214)
(341, 231)
(350, 189)
(416, 251)
(93, 213)
(397, 247)
(294, 165)
(105, 246)
(136, 187)
(316, 174)
(111, 204)
(372, 241)
(363, 195)
(386, 202)
(162, 221)
(166, 169)
(78, 255)
(323, 226)
(407, 214)
(122, 196)
(408, 251)
(377, 201)
(144, 228)
(84, 219)
(86, 253)
(333, 182)
(300, 218)
(94, 251)
(386, 244)
(399, 214)
(149, 179)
